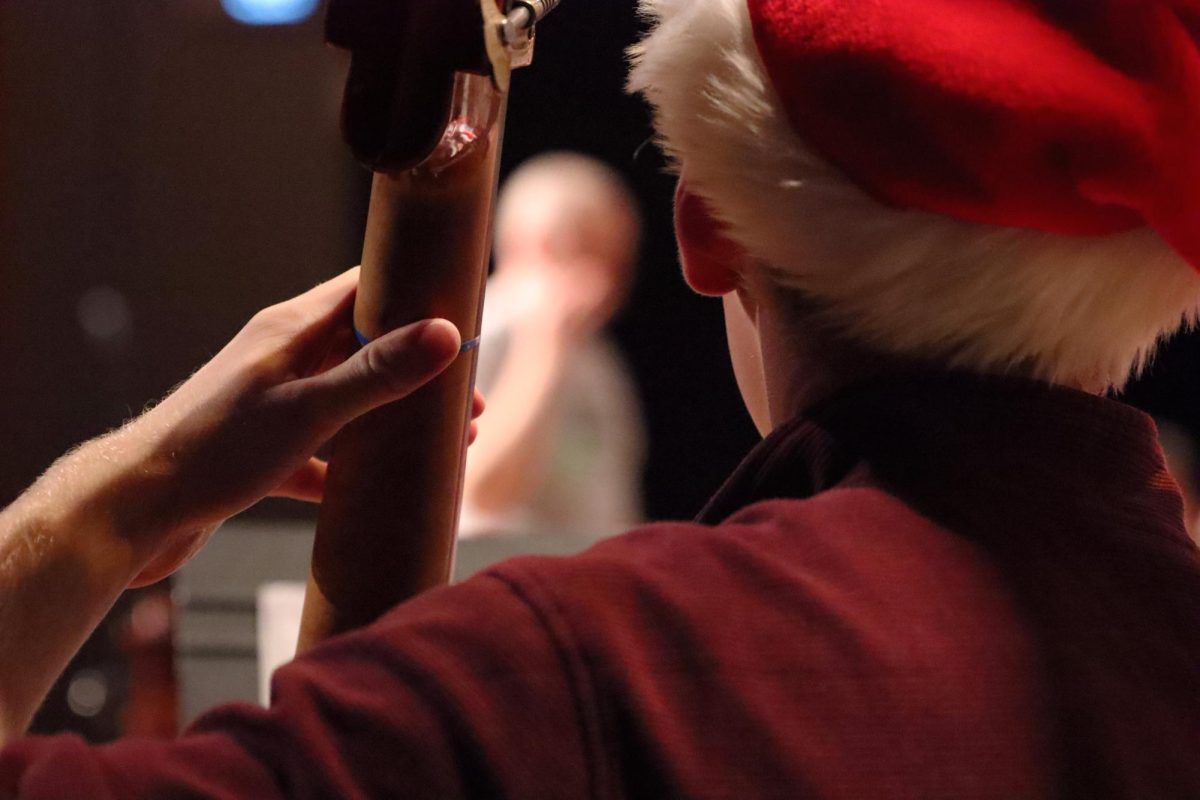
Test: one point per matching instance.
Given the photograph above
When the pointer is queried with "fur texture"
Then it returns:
(1083, 311)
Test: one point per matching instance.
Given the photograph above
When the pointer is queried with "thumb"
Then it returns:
(389, 368)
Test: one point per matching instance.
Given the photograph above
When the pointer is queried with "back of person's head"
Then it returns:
(567, 207)
(996, 296)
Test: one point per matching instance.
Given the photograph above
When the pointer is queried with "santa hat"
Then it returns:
(1000, 184)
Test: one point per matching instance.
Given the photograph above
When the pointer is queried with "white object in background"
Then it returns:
(280, 606)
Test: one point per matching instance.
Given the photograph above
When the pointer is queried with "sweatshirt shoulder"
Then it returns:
(772, 540)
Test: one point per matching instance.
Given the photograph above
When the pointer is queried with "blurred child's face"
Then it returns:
(536, 253)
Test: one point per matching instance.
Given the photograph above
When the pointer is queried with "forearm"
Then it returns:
(133, 506)
(63, 563)
(507, 456)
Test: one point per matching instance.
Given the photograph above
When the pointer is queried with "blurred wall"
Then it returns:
(166, 172)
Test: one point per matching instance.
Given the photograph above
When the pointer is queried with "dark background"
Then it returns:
(156, 155)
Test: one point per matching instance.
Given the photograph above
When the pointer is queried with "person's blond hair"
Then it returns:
(1086, 311)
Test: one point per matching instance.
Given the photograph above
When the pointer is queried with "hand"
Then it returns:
(571, 300)
(130, 507)
(248, 423)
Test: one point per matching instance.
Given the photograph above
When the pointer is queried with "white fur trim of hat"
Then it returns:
(1076, 310)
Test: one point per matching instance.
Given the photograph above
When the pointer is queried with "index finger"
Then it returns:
(334, 291)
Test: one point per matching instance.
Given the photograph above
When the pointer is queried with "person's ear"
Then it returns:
(711, 260)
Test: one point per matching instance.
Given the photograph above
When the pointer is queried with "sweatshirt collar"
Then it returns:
(961, 448)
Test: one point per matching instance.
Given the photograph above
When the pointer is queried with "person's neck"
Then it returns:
(806, 362)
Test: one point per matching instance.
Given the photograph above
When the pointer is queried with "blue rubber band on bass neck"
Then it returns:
(467, 346)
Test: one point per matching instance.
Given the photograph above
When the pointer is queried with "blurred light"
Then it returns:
(270, 12)
(104, 314)
(87, 693)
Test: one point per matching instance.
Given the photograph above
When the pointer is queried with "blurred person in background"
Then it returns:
(954, 567)
(564, 445)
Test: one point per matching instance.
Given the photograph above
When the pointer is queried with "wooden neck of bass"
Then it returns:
(388, 523)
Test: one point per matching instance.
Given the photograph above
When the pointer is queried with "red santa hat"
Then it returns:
(1077, 117)
(992, 183)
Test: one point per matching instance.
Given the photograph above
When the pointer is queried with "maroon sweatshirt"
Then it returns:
(936, 587)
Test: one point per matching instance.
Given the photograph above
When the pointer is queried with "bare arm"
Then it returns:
(509, 456)
(131, 507)
(61, 569)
